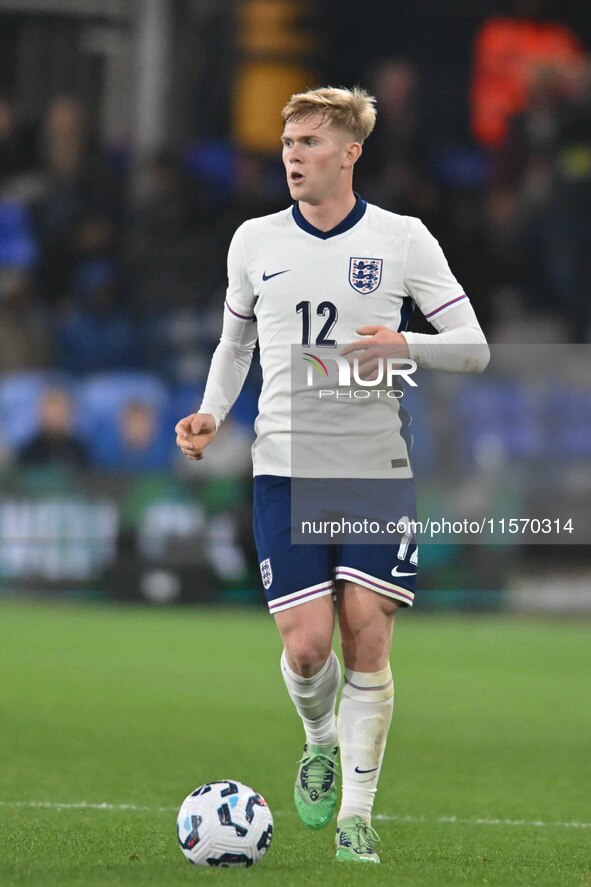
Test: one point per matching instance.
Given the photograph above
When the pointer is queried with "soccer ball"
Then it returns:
(224, 824)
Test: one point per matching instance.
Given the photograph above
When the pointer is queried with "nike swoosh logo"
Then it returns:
(276, 274)
(357, 770)
(396, 572)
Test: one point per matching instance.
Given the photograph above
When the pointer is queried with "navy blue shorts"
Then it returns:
(293, 574)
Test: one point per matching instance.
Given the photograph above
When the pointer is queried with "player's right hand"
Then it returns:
(194, 433)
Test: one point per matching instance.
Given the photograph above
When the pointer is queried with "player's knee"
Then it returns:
(306, 655)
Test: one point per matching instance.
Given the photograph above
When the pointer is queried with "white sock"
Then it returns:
(364, 717)
(315, 699)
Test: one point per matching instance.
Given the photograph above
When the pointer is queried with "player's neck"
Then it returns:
(326, 216)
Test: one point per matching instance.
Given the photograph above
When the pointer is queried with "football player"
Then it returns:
(332, 268)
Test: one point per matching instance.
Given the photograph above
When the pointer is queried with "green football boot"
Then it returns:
(315, 793)
(356, 841)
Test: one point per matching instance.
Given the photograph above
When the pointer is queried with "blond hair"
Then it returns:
(352, 109)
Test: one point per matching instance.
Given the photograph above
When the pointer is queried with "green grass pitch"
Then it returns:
(487, 777)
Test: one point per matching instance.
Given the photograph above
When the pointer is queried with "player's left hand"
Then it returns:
(378, 342)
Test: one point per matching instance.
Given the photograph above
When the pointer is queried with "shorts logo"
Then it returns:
(266, 574)
(365, 275)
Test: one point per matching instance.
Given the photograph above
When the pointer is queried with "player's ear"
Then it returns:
(353, 151)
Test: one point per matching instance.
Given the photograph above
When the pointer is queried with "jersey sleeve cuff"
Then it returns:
(217, 414)
(410, 341)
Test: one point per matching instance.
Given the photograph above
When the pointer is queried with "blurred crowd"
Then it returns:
(112, 266)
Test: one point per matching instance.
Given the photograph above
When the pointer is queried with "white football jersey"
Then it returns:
(294, 285)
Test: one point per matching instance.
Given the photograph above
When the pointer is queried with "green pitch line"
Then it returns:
(137, 707)
(379, 817)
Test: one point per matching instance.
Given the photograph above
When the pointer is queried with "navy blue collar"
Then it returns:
(349, 221)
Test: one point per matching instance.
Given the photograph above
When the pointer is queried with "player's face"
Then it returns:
(318, 159)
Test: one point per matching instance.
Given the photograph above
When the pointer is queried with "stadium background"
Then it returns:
(135, 135)
(134, 139)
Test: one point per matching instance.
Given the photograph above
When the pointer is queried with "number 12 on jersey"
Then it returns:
(325, 309)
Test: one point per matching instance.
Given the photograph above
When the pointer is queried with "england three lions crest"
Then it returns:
(266, 573)
(365, 275)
